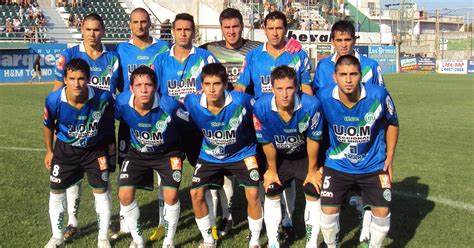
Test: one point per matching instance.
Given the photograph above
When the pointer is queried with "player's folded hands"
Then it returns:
(315, 178)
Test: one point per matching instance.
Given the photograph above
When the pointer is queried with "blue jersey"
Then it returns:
(357, 134)
(131, 57)
(258, 66)
(105, 74)
(228, 136)
(371, 71)
(288, 137)
(155, 132)
(83, 127)
(177, 79)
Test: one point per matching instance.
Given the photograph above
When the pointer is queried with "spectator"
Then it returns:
(8, 27)
(165, 32)
(71, 20)
(16, 25)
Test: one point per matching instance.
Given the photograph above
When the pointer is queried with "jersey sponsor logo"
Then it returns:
(140, 124)
(387, 195)
(384, 181)
(254, 175)
(196, 180)
(351, 118)
(290, 144)
(177, 176)
(142, 57)
(328, 194)
(291, 130)
(102, 163)
(220, 137)
(352, 134)
(176, 163)
(369, 118)
(102, 83)
(84, 130)
(390, 107)
(315, 119)
(149, 138)
(54, 179)
(123, 175)
(217, 124)
(181, 88)
(266, 84)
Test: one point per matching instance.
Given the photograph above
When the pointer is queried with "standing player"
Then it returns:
(256, 70)
(288, 125)
(76, 114)
(104, 70)
(228, 148)
(154, 146)
(142, 49)
(343, 39)
(177, 72)
(363, 131)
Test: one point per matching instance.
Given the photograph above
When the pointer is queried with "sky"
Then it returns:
(457, 7)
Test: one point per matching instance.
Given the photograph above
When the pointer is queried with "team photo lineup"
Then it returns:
(144, 108)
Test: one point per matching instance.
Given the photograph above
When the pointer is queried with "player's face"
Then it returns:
(183, 33)
(284, 90)
(213, 87)
(92, 32)
(347, 78)
(232, 30)
(140, 24)
(76, 83)
(275, 32)
(343, 43)
(143, 89)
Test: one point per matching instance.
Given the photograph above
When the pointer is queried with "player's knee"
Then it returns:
(252, 196)
(274, 190)
(330, 210)
(310, 190)
(126, 197)
(380, 211)
(197, 195)
(170, 196)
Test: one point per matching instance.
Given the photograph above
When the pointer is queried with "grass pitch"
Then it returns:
(432, 205)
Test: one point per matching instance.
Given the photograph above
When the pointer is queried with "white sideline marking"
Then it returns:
(22, 149)
(448, 202)
(440, 200)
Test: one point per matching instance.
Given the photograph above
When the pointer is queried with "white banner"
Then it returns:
(452, 66)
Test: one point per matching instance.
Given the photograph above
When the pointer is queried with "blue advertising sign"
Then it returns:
(17, 65)
(362, 50)
(386, 56)
(470, 66)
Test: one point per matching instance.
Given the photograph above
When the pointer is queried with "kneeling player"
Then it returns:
(288, 124)
(76, 113)
(228, 148)
(154, 146)
(363, 131)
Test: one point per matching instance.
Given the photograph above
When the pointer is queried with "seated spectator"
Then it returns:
(16, 24)
(71, 20)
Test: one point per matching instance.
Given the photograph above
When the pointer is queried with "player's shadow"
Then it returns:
(410, 206)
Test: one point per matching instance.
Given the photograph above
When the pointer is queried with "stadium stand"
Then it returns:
(22, 23)
(114, 14)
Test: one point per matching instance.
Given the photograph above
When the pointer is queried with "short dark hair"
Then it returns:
(186, 17)
(343, 26)
(94, 17)
(214, 69)
(276, 15)
(230, 13)
(348, 60)
(78, 64)
(141, 10)
(143, 70)
(283, 71)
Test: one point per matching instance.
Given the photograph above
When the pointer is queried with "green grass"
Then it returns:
(434, 159)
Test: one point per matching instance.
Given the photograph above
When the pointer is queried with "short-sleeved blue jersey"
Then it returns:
(83, 127)
(131, 57)
(288, 137)
(177, 79)
(371, 71)
(258, 66)
(357, 134)
(105, 72)
(228, 136)
(155, 132)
